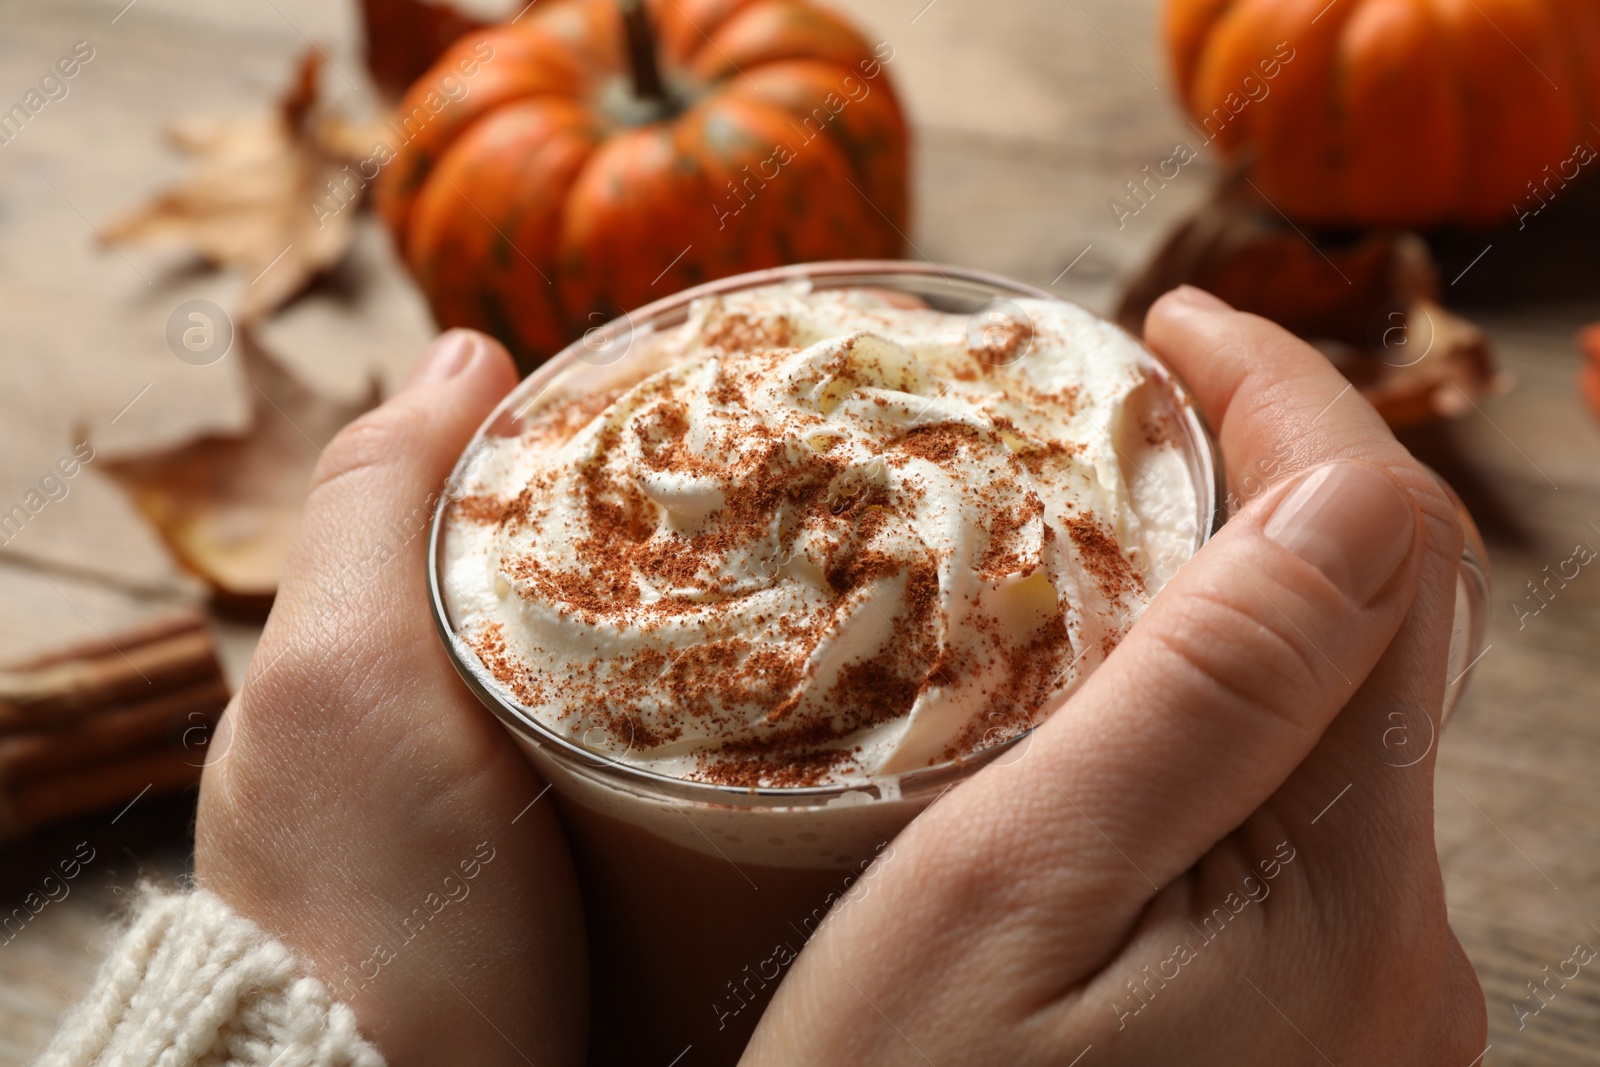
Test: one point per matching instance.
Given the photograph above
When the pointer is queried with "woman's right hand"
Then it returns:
(1220, 850)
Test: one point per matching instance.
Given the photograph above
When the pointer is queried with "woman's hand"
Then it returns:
(361, 805)
(1220, 850)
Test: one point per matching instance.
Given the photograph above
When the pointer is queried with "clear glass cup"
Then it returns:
(699, 895)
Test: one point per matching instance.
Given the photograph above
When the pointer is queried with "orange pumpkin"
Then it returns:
(1404, 112)
(593, 155)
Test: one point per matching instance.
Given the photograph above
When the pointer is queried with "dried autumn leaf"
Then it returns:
(1407, 384)
(229, 506)
(251, 202)
(404, 37)
(1370, 304)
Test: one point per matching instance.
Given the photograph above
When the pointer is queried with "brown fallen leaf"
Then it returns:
(1370, 303)
(229, 506)
(404, 37)
(1407, 385)
(273, 197)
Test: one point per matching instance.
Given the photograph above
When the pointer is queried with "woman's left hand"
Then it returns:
(361, 806)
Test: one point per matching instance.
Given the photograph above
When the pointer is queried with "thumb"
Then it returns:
(381, 476)
(354, 590)
(1226, 683)
(350, 629)
(405, 447)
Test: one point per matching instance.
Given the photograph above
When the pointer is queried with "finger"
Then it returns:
(361, 552)
(1269, 395)
(1230, 678)
(1279, 407)
(381, 465)
(1217, 693)
(361, 770)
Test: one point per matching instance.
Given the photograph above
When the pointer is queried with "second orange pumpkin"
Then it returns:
(1405, 112)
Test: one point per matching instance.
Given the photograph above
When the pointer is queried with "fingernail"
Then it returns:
(445, 358)
(1352, 522)
(1200, 299)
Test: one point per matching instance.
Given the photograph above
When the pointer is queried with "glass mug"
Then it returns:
(698, 895)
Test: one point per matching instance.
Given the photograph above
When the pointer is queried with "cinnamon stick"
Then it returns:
(183, 716)
(101, 786)
(94, 724)
(72, 683)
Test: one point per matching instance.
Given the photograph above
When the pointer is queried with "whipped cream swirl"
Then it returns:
(813, 537)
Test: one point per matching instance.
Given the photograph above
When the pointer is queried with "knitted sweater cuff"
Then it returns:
(193, 984)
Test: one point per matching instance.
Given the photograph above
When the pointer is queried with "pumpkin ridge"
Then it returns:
(1186, 39)
(871, 134)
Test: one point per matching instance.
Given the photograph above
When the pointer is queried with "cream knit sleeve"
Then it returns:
(192, 984)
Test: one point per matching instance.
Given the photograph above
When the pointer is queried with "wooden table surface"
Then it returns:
(1030, 116)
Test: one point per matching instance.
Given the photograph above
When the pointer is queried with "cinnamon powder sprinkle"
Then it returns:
(1103, 557)
(1158, 430)
(1002, 342)
(637, 561)
(737, 332)
(478, 508)
(939, 443)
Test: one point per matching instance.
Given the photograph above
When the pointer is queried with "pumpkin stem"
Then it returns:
(647, 84)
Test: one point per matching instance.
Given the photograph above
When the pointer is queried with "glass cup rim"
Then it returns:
(1210, 491)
